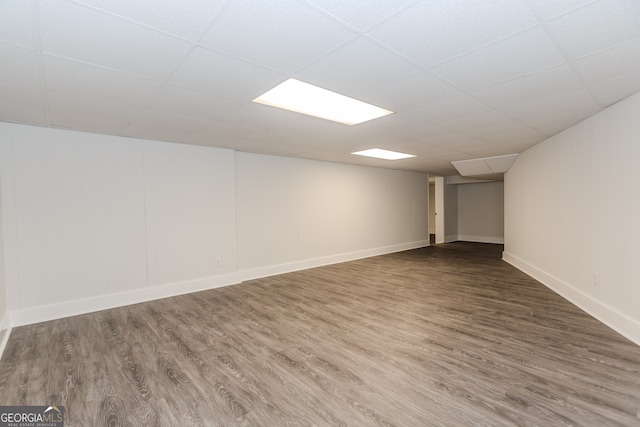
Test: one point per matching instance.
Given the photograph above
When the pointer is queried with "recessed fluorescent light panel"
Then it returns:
(294, 95)
(379, 153)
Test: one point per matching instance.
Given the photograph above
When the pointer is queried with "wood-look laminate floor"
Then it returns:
(446, 335)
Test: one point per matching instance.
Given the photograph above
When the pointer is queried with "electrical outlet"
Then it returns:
(218, 262)
(596, 280)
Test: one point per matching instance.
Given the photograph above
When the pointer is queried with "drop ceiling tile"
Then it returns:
(562, 101)
(435, 153)
(610, 64)
(555, 113)
(494, 150)
(319, 131)
(17, 19)
(156, 134)
(501, 164)
(220, 74)
(21, 103)
(512, 58)
(218, 141)
(506, 137)
(19, 64)
(283, 35)
(357, 67)
(425, 34)
(217, 133)
(360, 14)
(494, 127)
(553, 8)
(187, 19)
(561, 120)
(616, 89)
(78, 32)
(538, 85)
(472, 167)
(411, 92)
(488, 119)
(519, 146)
(261, 116)
(78, 77)
(456, 141)
(282, 142)
(266, 145)
(598, 26)
(90, 114)
(164, 126)
(188, 102)
(390, 124)
(449, 109)
(423, 134)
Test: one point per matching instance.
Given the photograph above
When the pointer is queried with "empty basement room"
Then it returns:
(218, 213)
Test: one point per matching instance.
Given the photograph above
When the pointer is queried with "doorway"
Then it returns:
(436, 209)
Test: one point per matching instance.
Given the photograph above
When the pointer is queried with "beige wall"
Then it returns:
(481, 212)
(432, 208)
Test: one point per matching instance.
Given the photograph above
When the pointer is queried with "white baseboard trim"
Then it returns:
(256, 273)
(45, 313)
(6, 322)
(5, 331)
(31, 315)
(619, 322)
(452, 238)
(481, 239)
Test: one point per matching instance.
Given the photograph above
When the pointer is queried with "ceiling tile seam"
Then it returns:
(464, 93)
(16, 82)
(598, 52)
(97, 97)
(35, 11)
(429, 70)
(350, 27)
(188, 131)
(329, 15)
(19, 46)
(148, 105)
(206, 92)
(193, 43)
(375, 87)
(100, 66)
(421, 70)
(319, 58)
(520, 121)
(545, 25)
(492, 85)
(566, 12)
(485, 45)
(133, 22)
(221, 9)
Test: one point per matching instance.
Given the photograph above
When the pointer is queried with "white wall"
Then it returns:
(481, 212)
(93, 221)
(295, 213)
(4, 314)
(572, 210)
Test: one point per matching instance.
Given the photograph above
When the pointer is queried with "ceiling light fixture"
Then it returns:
(301, 97)
(379, 153)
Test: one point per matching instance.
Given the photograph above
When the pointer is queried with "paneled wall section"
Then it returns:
(572, 215)
(93, 221)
